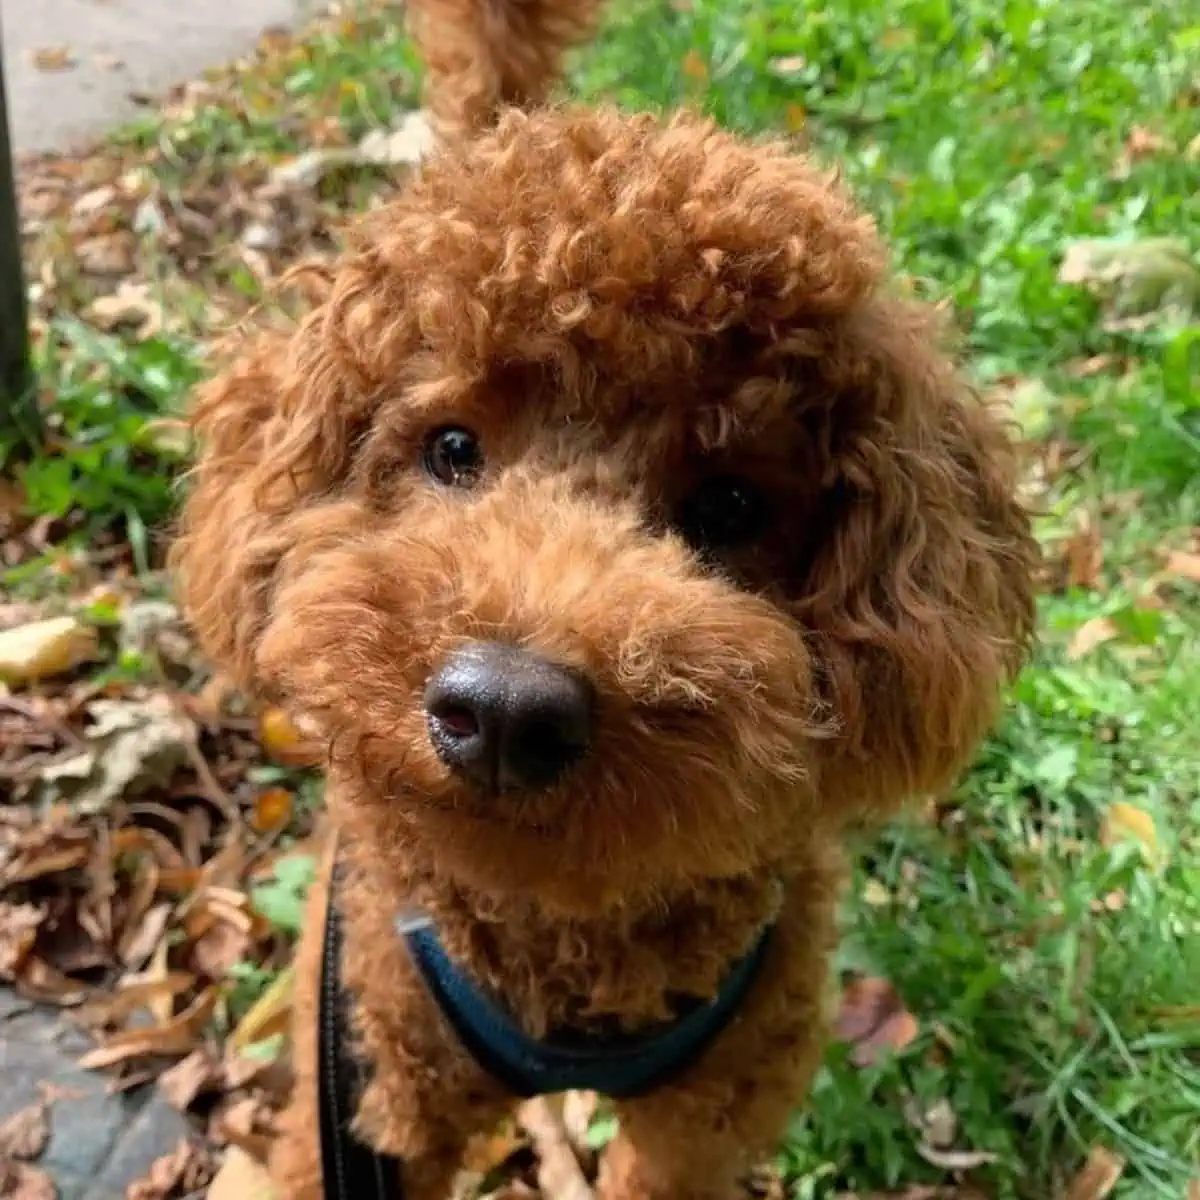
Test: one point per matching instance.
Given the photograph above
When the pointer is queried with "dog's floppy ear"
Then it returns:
(274, 432)
(919, 588)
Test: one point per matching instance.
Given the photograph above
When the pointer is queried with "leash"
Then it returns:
(621, 1067)
(351, 1170)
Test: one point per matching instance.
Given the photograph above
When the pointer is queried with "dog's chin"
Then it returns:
(579, 854)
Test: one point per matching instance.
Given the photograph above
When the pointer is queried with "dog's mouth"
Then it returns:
(495, 811)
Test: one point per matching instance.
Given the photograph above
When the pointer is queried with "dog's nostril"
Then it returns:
(456, 720)
(506, 718)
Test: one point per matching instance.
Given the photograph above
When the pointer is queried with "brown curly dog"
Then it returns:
(627, 540)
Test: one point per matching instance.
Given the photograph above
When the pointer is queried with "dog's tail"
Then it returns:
(483, 55)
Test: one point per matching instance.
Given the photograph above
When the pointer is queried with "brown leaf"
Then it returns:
(1184, 565)
(52, 58)
(38, 980)
(20, 1181)
(955, 1160)
(140, 940)
(272, 810)
(937, 1124)
(874, 1020)
(132, 306)
(25, 1134)
(45, 648)
(19, 924)
(1142, 143)
(170, 1039)
(787, 66)
(694, 67)
(216, 951)
(1085, 555)
(1098, 1176)
(1089, 635)
(114, 1008)
(51, 857)
(559, 1174)
(107, 254)
(186, 1170)
(1123, 822)
(282, 740)
(240, 1178)
(183, 1082)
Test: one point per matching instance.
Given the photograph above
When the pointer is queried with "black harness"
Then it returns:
(620, 1067)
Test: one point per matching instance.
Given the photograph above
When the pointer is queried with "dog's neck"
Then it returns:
(628, 969)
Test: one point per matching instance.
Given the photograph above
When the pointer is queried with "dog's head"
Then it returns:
(612, 521)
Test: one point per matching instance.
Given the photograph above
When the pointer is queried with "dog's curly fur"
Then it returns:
(620, 306)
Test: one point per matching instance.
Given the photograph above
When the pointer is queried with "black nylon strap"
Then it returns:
(350, 1169)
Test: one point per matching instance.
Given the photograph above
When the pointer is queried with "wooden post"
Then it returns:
(19, 421)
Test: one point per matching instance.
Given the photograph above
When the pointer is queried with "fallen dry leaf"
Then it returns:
(240, 1177)
(1092, 633)
(694, 67)
(51, 58)
(1183, 565)
(189, 1077)
(1139, 283)
(171, 1039)
(132, 994)
(404, 145)
(282, 740)
(1085, 554)
(20, 1181)
(185, 1171)
(874, 1020)
(215, 951)
(1141, 143)
(132, 306)
(24, 1135)
(19, 924)
(937, 1124)
(1098, 1176)
(954, 1160)
(43, 649)
(560, 1176)
(272, 810)
(1125, 822)
(130, 747)
(788, 66)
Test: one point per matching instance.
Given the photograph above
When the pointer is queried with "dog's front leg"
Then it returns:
(426, 1097)
(694, 1138)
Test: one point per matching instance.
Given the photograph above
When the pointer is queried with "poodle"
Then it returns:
(628, 540)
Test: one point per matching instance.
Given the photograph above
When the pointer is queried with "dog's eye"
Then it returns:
(723, 512)
(452, 456)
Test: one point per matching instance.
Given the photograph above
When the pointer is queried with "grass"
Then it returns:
(1055, 974)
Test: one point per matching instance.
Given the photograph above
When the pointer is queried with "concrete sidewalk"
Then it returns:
(117, 47)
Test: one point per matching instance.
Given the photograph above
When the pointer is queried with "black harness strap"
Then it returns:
(351, 1170)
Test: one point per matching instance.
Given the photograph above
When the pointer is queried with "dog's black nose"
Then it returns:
(506, 718)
